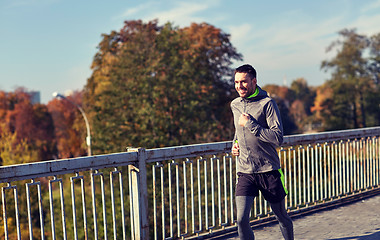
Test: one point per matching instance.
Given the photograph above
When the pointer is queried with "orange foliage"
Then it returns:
(31, 122)
(277, 91)
(323, 94)
(69, 126)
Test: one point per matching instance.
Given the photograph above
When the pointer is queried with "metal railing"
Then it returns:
(175, 192)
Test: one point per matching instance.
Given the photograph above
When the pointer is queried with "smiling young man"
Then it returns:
(258, 131)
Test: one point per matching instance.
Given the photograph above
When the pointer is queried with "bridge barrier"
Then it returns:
(176, 192)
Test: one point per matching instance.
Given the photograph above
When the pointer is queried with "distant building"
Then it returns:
(35, 97)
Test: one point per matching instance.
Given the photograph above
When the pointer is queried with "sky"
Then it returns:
(48, 45)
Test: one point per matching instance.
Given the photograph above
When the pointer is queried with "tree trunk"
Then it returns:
(354, 115)
(362, 109)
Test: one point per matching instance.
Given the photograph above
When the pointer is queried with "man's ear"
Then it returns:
(254, 81)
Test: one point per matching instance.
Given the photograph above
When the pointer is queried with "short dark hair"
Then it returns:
(246, 68)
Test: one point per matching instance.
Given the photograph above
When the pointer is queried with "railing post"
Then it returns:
(142, 199)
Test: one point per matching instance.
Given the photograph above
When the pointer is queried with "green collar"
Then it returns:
(255, 93)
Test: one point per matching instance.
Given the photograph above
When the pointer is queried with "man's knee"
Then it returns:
(242, 220)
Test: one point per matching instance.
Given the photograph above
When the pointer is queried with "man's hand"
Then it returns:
(243, 119)
(235, 149)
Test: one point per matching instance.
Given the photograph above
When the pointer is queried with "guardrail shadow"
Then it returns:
(371, 236)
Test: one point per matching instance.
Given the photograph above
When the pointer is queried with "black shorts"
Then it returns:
(271, 184)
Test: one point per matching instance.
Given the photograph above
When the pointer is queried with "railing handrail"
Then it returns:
(299, 139)
(63, 166)
(187, 151)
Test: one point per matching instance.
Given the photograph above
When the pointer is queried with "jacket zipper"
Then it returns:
(244, 130)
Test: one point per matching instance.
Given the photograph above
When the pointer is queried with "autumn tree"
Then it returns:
(24, 138)
(323, 106)
(304, 93)
(298, 113)
(12, 150)
(283, 97)
(70, 129)
(282, 92)
(155, 86)
(31, 122)
(300, 107)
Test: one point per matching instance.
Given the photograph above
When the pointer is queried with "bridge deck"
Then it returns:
(357, 220)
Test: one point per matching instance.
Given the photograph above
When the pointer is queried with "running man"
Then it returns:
(258, 131)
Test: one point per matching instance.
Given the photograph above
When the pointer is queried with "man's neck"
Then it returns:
(255, 93)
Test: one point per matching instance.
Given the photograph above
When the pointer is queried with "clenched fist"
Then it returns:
(243, 119)
(235, 149)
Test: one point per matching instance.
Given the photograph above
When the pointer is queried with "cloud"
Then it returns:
(241, 34)
(364, 24)
(297, 40)
(294, 39)
(371, 7)
(293, 47)
(131, 12)
(181, 13)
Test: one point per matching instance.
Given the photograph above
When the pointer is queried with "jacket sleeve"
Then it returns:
(274, 132)
(234, 110)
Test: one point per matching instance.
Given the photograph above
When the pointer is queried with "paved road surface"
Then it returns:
(359, 220)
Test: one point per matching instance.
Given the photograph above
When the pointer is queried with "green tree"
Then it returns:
(374, 59)
(156, 86)
(374, 71)
(351, 82)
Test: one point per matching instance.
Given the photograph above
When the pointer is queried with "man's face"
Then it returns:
(244, 85)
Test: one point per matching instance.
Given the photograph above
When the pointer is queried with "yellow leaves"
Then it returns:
(12, 152)
(108, 60)
(323, 94)
(102, 87)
